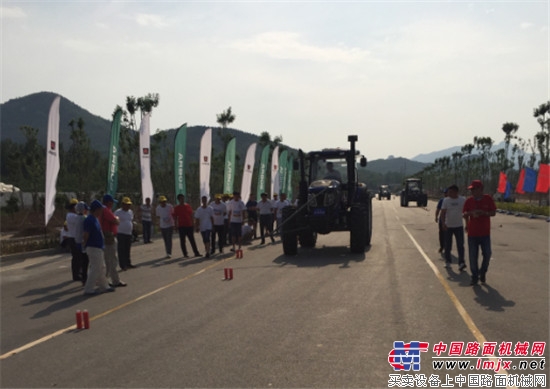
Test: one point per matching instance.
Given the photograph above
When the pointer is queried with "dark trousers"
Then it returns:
(124, 245)
(475, 243)
(266, 224)
(458, 233)
(79, 261)
(220, 232)
(167, 237)
(146, 231)
(189, 233)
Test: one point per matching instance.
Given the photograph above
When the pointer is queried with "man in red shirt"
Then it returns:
(478, 210)
(183, 216)
(109, 225)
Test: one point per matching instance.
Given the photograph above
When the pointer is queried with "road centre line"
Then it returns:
(112, 310)
(454, 299)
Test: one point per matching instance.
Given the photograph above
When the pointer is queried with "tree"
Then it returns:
(509, 130)
(542, 113)
(225, 118)
(129, 165)
(33, 159)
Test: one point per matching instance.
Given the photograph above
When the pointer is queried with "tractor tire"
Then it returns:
(368, 220)
(289, 235)
(358, 228)
(307, 238)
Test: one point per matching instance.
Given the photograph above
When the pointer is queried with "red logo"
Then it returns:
(52, 145)
(274, 167)
(205, 158)
(145, 151)
(248, 167)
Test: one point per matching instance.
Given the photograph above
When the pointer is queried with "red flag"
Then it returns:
(502, 183)
(519, 186)
(543, 180)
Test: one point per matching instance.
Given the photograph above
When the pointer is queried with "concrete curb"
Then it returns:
(523, 214)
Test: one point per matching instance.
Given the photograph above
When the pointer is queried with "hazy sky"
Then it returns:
(408, 77)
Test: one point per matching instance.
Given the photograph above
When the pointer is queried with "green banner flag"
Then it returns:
(289, 169)
(229, 172)
(262, 172)
(180, 144)
(112, 173)
(283, 162)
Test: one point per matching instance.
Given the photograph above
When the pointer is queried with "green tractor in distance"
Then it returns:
(413, 192)
(330, 199)
(384, 192)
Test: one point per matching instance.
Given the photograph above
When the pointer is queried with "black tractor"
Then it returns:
(330, 199)
(413, 192)
(384, 192)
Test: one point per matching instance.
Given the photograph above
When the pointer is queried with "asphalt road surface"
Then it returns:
(325, 318)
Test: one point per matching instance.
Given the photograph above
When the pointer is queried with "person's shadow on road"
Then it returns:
(491, 298)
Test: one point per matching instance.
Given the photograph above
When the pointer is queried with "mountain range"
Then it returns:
(32, 110)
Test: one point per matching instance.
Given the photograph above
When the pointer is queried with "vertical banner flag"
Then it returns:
(229, 171)
(112, 173)
(262, 172)
(521, 179)
(247, 171)
(508, 190)
(52, 159)
(204, 171)
(275, 172)
(282, 170)
(530, 180)
(543, 181)
(501, 183)
(289, 169)
(145, 156)
(180, 144)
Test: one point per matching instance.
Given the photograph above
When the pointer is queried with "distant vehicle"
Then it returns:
(384, 191)
(330, 199)
(413, 192)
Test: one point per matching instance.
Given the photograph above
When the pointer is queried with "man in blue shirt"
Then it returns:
(94, 244)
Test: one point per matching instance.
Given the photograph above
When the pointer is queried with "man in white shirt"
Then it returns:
(220, 213)
(204, 220)
(165, 213)
(124, 234)
(236, 209)
(265, 209)
(279, 205)
(451, 219)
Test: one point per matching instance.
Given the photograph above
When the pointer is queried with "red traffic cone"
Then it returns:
(86, 319)
(78, 320)
(238, 254)
(228, 273)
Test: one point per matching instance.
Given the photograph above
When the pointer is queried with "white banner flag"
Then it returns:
(206, 151)
(275, 179)
(52, 159)
(247, 172)
(145, 156)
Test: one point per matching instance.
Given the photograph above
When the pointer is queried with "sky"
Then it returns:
(407, 77)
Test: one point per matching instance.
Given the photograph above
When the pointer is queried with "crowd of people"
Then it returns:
(100, 237)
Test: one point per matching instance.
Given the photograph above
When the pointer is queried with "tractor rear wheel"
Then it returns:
(289, 234)
(358, 228)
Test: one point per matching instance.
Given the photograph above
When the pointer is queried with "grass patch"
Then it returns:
(525, 208)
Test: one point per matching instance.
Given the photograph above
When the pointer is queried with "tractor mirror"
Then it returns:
(363, 161)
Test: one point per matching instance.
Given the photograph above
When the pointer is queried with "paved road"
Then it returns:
(324, 318)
